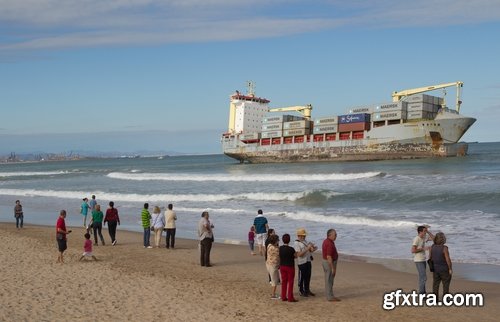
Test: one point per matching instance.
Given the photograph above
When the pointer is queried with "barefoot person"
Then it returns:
(87, 248)
(330, 258)
(442, 264)
(61, 234)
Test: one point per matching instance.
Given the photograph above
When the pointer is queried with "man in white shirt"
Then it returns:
(418, 249)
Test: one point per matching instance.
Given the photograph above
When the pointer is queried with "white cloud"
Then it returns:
(55, 24)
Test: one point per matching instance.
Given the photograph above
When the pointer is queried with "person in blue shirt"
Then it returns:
(84, 210)
(261, 227)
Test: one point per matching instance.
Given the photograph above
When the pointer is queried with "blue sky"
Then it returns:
(112, 75)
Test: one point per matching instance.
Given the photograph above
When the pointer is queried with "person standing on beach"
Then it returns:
(92, 203)
(84, 209)
(418, 250)
(304, 250)
(170, 218)
(261, 226)
(273, 264)
(206, 238)
(146, 225)
(158, 223)
(287, 269)
(97, 217)
(18, 214)
(113, 220)
(442, 264)
(330, 258)
(61, 234)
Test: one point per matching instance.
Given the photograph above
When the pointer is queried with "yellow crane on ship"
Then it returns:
(305, 110)
(400, 95)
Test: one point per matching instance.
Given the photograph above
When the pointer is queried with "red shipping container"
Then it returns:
(330, 137)
(298, 139)
(345, 136)
(288, 140)
(318, 138)
(265, 142)
(358, 135)
(276, 141)
(349, 127)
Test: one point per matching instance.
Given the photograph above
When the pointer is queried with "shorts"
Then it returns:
(62, 245)
(87, 254)
(274, 274)
(260, 239)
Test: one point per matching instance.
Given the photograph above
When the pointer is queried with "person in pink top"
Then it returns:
(87, 248)
(61, 233)
(251, 240)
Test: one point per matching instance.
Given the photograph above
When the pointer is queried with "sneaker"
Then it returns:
(275, 297)
(303, 294)
(114, 242)
(149, 247)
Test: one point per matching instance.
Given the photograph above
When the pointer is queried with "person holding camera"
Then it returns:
(304, 258)
(206, 237)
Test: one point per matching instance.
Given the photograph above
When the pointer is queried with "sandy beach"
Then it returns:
(130, 283)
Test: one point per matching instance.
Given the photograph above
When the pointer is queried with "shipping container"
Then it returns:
(395, 106)
(354, 118)
(325, 129)
(281, 118)
(330, 137)
(271, 127)
(295, 132)
(298, 139)
(250, 136)
(271, 134)
(358, 135)
(265, 142)
(420, 98)
(361, 109)
(414, 107)
(360, 126)
(304, 124)
(326, 120)
(319, 137)
(420, 115)
(389, 115)
(275, 141)
(288, 140)
(344, 135)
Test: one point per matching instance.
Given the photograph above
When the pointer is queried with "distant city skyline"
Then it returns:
(112, 75)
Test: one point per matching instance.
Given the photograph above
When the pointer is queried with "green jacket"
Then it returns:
(146, 218)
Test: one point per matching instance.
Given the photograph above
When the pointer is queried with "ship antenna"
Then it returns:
(250, 88)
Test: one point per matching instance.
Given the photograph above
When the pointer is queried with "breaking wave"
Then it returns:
(131, 197)
(241, 177)
(27, 174)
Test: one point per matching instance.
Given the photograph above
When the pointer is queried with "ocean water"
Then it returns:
(374, 206)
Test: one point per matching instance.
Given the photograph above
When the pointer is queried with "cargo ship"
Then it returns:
(414, 125)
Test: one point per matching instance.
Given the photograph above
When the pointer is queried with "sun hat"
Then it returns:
(301, 232)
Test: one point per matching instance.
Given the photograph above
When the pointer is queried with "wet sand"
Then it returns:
(132, 283)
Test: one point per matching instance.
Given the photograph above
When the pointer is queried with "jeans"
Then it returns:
(329, 279)
(206, 246)
(112, 229)
(304, 277)
(97, 227)
(147, 236)
(19, 221)
(422, 276)
(170, 242)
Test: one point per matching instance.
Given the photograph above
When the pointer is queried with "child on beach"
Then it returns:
(87, 248)
(251, 239)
